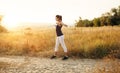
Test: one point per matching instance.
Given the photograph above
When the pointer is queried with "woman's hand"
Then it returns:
(65, 25)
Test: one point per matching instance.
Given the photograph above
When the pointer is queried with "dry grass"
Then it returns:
(96, 42)
(4, 65)
(111, 66)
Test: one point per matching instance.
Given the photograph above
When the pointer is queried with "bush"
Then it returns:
(99, 52)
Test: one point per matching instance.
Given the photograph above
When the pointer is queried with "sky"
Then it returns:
(44, 11)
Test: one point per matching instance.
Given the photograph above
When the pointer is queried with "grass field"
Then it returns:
(90, 42)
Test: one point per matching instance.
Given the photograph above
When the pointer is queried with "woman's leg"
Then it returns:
(61, 39)
(56, 46)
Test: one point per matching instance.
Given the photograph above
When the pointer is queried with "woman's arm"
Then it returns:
(54, 25)
(64, 24)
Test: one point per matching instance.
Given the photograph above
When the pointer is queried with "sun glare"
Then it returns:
(10, 21)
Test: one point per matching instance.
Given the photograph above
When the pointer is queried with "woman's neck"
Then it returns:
(58, 23)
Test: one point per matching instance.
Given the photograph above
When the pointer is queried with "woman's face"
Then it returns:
(57, 19)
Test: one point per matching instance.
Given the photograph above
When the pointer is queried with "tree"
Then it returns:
(103, 21)
(118, 16)
(87, 23)
(108, 21)
(109, 18)
(79, 23)
(114, 11)
(96, 21)
(118, 11)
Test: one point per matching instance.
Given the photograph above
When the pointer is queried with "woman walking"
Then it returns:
(60, 38)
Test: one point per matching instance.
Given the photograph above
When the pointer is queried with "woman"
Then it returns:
(60, 37)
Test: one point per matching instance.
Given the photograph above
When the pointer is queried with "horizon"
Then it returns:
(39, 11)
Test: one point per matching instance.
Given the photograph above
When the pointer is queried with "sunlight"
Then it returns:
(10, 21)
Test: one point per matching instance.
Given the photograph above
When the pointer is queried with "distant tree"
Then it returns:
(109, 21)
(118, 11)
(118, 16)
(87, 23)
(109, 18)
(79, 23)
(107, 14)
(114, 11)
(96, 21)
(91, 23)
(103, 21)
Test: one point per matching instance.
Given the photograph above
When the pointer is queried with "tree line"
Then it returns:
(110, 18)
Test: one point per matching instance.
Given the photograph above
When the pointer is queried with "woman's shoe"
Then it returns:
(53, 57)
(65, 58)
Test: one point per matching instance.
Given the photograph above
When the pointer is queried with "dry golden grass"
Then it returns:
(91, 42)
(4, 65)
(111, 66)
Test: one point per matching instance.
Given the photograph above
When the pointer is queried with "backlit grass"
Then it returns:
(90, 42)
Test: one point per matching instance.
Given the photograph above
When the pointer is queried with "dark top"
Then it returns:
(58, 30)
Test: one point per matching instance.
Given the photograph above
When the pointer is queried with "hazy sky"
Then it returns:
(16, 11)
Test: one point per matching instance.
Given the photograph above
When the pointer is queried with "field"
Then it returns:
(83, 42)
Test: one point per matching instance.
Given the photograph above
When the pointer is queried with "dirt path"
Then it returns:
(17, 64)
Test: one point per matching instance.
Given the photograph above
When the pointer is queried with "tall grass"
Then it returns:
(110, 66)
(90, 42)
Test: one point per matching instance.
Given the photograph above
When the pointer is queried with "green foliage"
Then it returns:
(79, 23)
(109, 18)
(84, 23)
(96, 22)
(100, 51)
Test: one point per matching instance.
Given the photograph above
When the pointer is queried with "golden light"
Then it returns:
(10, 21)
(1, 16)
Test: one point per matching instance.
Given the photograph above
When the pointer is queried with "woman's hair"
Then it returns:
(59, 17)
